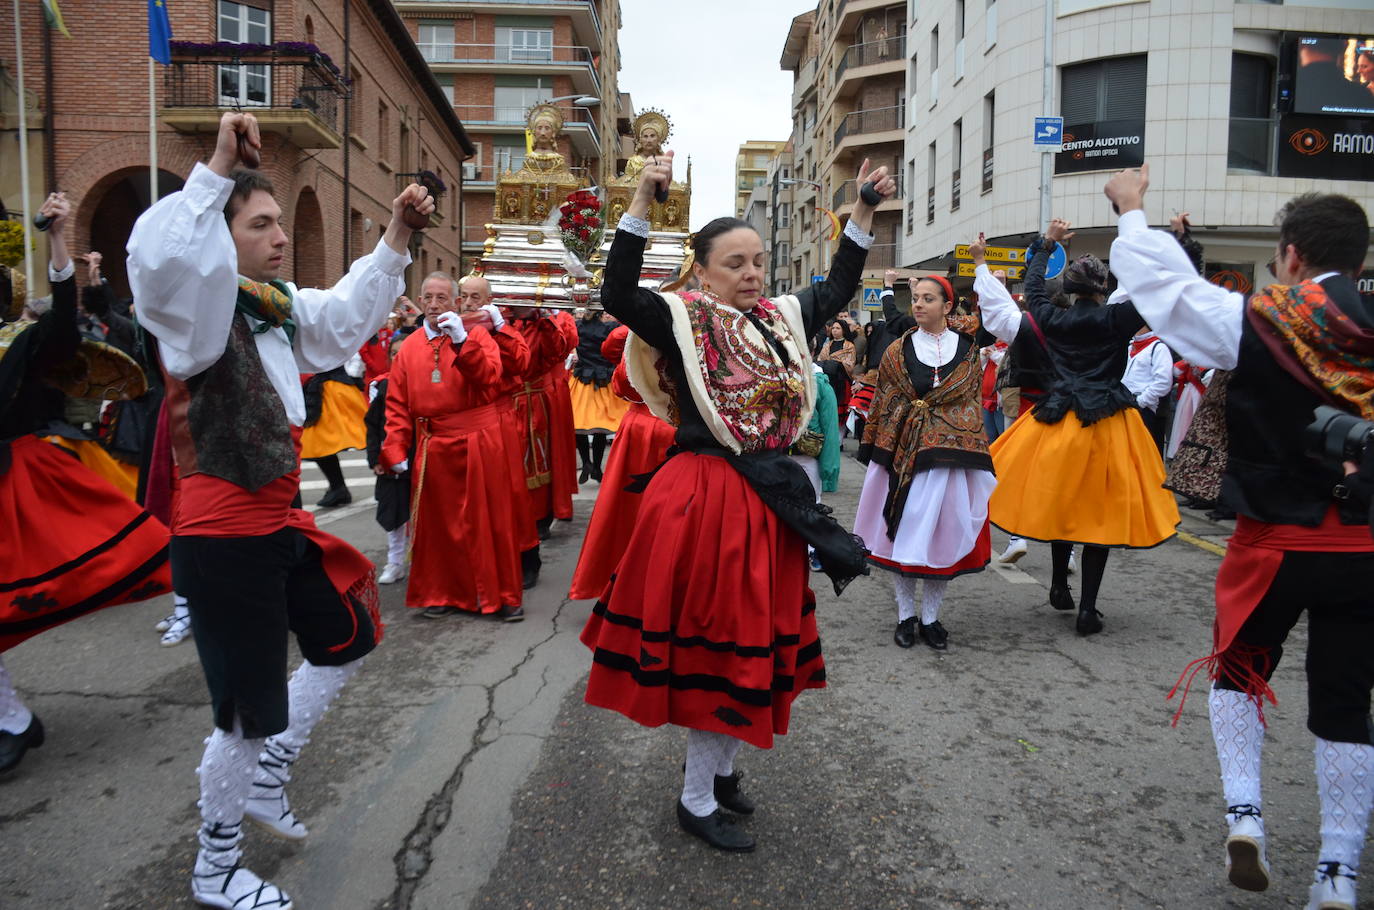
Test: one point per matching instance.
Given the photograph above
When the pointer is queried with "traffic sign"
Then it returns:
(1014, 272)
(1049, 133)
(873, 299)
(993, 253)
(1058, 261)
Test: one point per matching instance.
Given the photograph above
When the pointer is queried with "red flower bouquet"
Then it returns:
(580, 226)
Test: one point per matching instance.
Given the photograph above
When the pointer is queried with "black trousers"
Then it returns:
(245, 595)
(1337, 592)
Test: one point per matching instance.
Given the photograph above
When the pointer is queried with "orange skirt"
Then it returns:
(340, 425)
(595, 410)
(123, 477)
(1100, 484)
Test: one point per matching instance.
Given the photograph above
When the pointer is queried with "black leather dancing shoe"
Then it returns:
(338, 496)
(905, 635)
(586, 473)
(1089, 621)
(1061, 598)
(14, 745)
(730, 797)
(716, 830)
(934, 635)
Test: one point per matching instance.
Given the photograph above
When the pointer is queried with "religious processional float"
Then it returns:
(549, 242)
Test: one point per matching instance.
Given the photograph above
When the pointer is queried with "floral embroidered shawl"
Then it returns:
(1317, 343)
(905, 430)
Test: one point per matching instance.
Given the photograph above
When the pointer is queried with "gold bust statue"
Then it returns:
(651, 130)
(545, 123)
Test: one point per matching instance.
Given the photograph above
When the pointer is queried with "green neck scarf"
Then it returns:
(269, 303)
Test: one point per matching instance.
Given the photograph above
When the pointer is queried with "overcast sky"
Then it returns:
(712, 67)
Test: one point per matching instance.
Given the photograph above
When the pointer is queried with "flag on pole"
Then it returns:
(834, 222)
(53, 15)
(159, 32)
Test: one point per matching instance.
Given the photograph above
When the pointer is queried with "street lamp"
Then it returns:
(577, 100)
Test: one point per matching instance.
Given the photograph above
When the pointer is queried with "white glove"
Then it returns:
(494, 311)
(451, 324)
(354, 367)
(401, 466)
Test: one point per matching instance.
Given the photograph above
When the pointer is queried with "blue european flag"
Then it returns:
(159, 32)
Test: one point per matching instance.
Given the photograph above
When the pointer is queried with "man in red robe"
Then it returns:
(474, 294)
(544, 409)
(444, 409)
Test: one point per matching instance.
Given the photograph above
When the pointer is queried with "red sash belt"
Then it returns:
(461, 423)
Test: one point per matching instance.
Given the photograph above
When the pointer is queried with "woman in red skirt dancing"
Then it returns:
(708, 622)
(641, 444)
(73, 542)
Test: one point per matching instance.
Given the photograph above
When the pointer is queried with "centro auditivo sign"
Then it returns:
(1104, 145)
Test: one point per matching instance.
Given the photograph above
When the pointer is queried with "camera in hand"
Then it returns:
(42, 222)
(1335, 436)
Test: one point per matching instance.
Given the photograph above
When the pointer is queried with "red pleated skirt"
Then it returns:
(709, 622)
(72, 543)
(640, 446)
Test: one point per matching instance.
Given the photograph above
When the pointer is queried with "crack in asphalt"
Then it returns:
(415, 857)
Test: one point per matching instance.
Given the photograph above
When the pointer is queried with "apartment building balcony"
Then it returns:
(483, 177)
(578, 123)
(575, 61)
(865, 61)
(875, 126)
(292, 95)
(849, 13)
(842, 202)
(805, 82)
(586, 19)
(881, 256)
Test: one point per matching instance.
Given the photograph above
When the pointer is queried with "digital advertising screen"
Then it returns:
(1334, 74)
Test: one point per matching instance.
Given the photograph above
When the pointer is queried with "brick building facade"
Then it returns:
(89, 133)
(497, 58)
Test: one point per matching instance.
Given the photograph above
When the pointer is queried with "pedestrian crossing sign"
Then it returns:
(873, 298)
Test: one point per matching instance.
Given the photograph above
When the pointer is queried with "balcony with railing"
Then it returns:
(870, 59)
(576, 61)
(863, 127)
(484, 176)
(805, 80)
(583, 13)
(578, 123)
(881, 256)
(296, 96)
(848, 194)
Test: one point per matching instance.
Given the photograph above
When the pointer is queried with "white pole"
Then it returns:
(24, 152)
(1047, 108)
(152, 131)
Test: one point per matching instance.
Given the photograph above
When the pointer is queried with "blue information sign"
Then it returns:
(1058, 261)
(1049, 132)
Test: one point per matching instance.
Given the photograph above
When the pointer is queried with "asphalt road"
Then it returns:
(1023, 768)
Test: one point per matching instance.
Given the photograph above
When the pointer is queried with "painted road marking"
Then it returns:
(1202, 543)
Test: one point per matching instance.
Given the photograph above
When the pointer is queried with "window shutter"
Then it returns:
(1124, 94)
(1078, 93)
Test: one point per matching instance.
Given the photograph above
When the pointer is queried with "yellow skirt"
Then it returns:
(595, 410)
(123, 477)
(1100, 484)
(340, 425)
